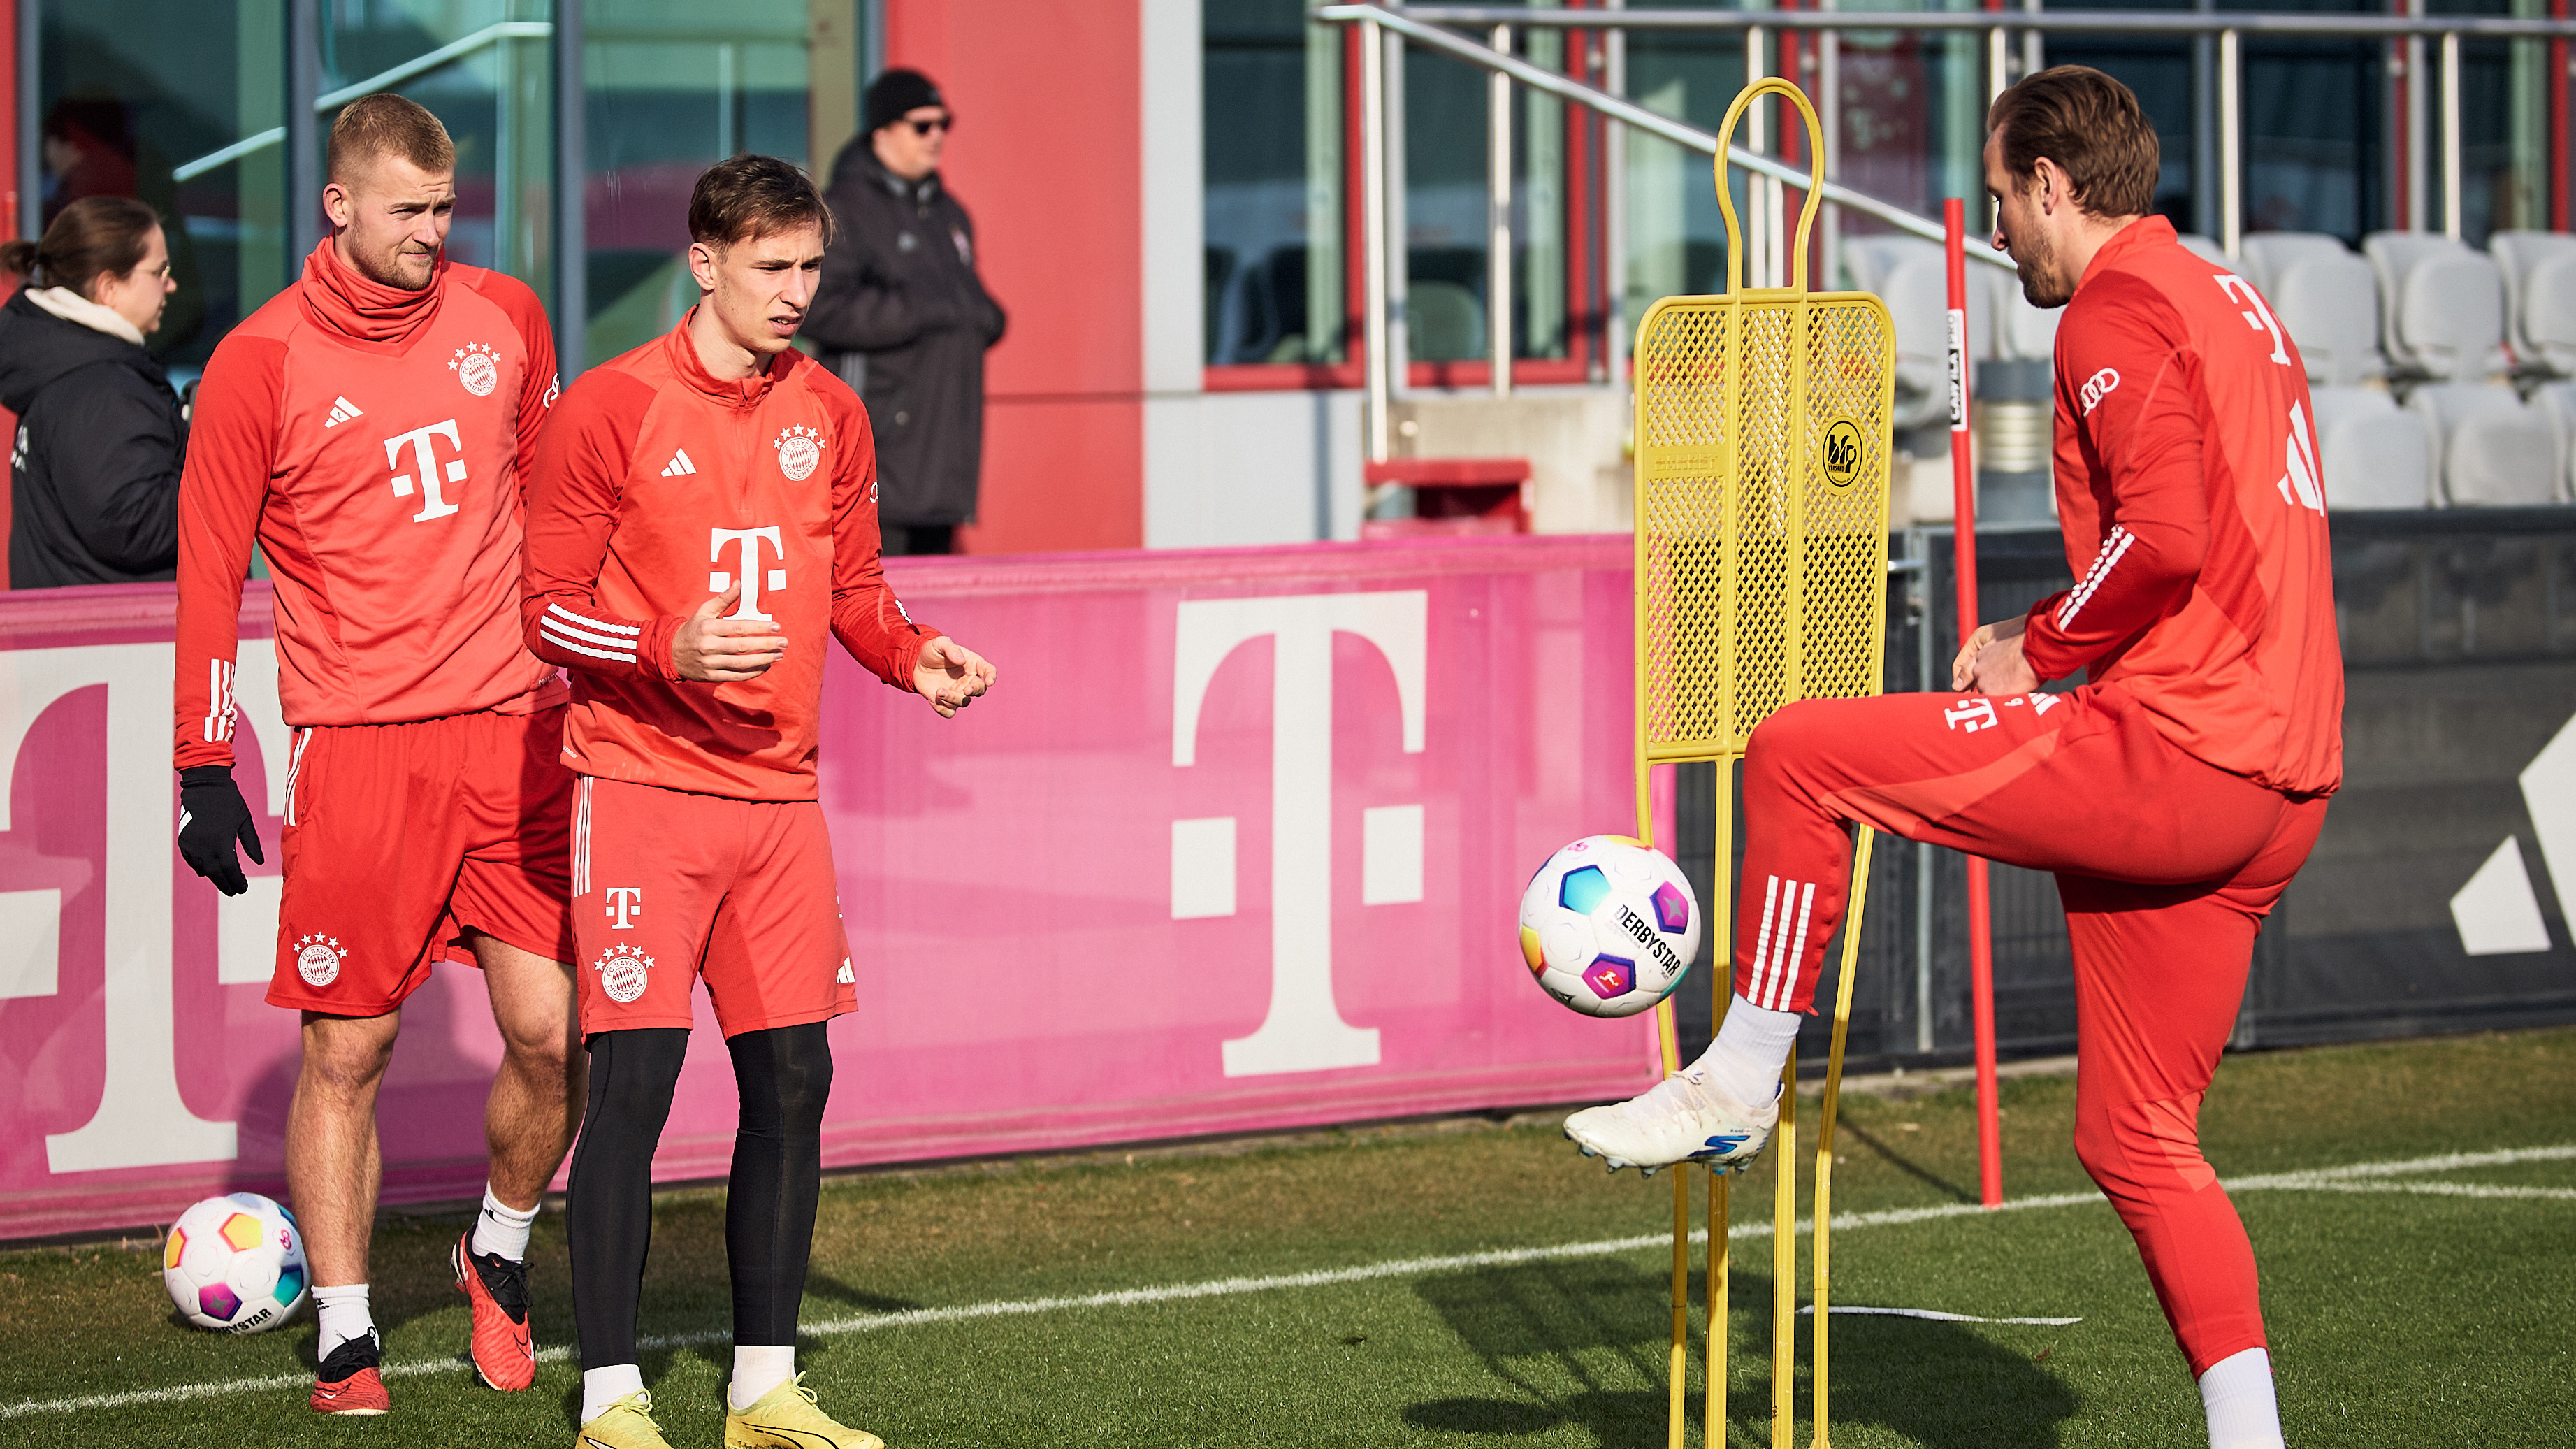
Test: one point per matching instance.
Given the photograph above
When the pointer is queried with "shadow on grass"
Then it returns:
(1570, 1337)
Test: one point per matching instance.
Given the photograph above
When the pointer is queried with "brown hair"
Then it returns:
(750, 197)
(95, 236)
(2091, 126)
(385, 124)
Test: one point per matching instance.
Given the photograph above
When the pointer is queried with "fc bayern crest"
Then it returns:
(317, 959)
(623, 973)
(475, 367)
(799, 450)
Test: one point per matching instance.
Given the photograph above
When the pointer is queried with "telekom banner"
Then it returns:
(1235, 845)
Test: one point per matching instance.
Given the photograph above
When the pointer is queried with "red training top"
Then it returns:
(659, 484)
(2195, 516)
(374, 440)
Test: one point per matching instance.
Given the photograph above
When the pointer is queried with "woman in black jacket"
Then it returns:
(95, 473)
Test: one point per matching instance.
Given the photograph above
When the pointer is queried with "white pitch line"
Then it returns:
(2355, 1177)
(1808, 1310)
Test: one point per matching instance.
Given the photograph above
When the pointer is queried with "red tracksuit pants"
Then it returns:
(2166, 866)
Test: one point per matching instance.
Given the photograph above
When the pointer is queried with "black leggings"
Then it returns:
(785, 1077)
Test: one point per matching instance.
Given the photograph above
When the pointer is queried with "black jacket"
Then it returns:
(95, 473)
(905, 320)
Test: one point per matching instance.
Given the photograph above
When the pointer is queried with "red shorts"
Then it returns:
(400, 838)
(669, 886)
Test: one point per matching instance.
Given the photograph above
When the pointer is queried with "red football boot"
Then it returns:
(348, 1382)
(504, 1355)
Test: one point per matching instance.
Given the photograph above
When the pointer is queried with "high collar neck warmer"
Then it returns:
(342, 298)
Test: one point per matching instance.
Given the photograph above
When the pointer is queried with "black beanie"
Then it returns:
(896, 92)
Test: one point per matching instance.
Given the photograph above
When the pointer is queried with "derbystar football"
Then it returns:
(1608, 926)
(235, 1263)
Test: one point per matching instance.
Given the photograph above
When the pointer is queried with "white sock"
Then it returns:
(343, 1314)
(502, 1229)
(1751, 1048)
(2236, 1392)
(603, 1387)
(758, 1368)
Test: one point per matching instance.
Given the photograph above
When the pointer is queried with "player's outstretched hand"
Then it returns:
(950, 675)
(212, 815)
(715, 650)
(1991, 661)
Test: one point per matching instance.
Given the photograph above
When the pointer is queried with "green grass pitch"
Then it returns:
(1462, 1284)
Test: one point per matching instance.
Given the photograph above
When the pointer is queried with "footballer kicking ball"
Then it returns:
(1608, 926)
(235, 1263)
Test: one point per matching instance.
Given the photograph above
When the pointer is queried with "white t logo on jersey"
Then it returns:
(753, 578)
(624, 904)
(424, 454)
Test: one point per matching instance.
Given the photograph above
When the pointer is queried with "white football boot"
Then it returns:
(1686, 1117)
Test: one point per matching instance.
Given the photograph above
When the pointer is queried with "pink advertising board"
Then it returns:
(1235, 846)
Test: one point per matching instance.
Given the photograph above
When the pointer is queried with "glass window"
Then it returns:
(1272, 135)
(1447, 128)
(180, 106)
(673, 86)
(482, 67)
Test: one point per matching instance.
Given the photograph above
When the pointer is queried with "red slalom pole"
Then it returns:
(1963, 495)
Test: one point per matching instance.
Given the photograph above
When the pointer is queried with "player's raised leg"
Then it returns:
(1991, 776)
(528, 1122)
(334, 1166)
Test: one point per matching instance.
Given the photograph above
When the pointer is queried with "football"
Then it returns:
(1608, 926)
(235, 1263)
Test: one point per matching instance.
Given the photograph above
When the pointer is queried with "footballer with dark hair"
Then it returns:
(703, 519)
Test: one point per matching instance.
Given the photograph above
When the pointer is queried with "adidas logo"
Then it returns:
(341, 411)
(845, 978)
(679, 465)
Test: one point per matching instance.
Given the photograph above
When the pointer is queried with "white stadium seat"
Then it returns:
(2269, 253)
(2539, 298)
(2330, 306)
(2207, 249)
(2558, 400)
(2441, 307)
(2024, 330)
(2375, 454)
(2495, 451)
(1911, 275)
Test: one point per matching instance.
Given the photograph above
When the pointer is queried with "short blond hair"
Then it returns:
(386, 124)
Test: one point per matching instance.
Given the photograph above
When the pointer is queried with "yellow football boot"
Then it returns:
(626, 1424)
(786, 1418)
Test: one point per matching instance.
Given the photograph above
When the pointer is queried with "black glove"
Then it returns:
(212, 815)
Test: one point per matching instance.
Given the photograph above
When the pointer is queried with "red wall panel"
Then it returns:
(1046, 157)
(1061, 473)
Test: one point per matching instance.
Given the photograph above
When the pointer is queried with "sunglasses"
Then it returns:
(924, 128)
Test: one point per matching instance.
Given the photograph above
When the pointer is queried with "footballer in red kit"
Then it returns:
(371, 428)
(702, 523)
(2174, 793)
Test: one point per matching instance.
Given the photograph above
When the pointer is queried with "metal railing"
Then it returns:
(329, 101)
(1386, 29)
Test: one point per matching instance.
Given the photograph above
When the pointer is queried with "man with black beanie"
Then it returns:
(902, 315)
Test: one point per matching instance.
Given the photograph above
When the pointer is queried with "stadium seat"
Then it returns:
(1912, 276)
(2024, 330)
(2328, 303)
(2207, 249)
(2558, 400)
(2441, 307)
(2495, 451)
(1443, 322)
(2375, 454)
(2539, 298)
(2269, 253)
